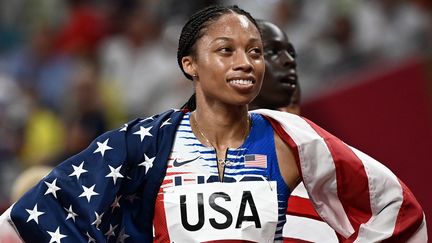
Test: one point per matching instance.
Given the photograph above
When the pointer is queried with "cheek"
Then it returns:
(260, 68)
(213, 66)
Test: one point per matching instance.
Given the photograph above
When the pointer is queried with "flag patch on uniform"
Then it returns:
(255, 160)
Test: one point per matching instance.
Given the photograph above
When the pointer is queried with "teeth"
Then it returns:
(241, 81)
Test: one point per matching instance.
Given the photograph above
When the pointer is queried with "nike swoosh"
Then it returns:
(178, 162)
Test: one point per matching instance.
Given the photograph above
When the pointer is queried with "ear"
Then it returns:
(189, 65)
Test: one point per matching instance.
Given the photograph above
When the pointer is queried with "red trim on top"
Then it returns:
(159, 221)
(354, 199)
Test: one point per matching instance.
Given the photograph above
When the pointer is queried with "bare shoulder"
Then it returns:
(287, 162)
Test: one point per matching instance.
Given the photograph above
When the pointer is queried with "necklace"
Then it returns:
(194, 120)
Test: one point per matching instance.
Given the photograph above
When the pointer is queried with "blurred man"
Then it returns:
(281, 91)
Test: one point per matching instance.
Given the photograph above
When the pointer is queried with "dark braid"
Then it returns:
(192, 31)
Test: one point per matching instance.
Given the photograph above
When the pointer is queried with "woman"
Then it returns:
(216, 174)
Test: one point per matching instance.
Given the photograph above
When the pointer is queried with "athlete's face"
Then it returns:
(229, 62)
(280, 79)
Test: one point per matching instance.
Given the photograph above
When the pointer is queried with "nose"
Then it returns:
(287, 60)
(242, 61)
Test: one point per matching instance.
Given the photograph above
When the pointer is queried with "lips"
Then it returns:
(246, 80)
(242, 84)
(241, 81)
(289, 80)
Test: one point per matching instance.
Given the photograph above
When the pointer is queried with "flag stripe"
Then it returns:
(311, 147)
(355, 200)
(303, 207)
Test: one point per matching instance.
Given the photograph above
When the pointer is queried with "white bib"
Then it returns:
(222, 211)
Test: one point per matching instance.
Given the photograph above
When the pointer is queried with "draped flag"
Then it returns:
(357, 196)
(97, 195)
(107, 192)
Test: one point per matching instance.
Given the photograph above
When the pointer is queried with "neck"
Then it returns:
(221, 128)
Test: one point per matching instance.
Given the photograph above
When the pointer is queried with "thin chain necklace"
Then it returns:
(194, 120)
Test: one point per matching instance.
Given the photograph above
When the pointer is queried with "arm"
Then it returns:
(356, 195)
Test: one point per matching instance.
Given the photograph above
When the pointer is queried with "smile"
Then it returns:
(241, 81)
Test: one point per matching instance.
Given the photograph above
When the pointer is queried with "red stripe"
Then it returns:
(288, 141)
(299, 206)
(352, 192)
(409, 218)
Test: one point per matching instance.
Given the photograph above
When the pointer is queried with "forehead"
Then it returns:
(230, 25)
(271, 32)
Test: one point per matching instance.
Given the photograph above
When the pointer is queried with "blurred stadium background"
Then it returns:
(71, 69)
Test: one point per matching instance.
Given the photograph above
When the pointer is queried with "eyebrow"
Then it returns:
(230, 39)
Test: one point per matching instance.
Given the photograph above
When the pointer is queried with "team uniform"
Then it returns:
(250, 199)
(140, 176)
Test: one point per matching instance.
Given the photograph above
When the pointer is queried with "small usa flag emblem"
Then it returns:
(255, 160)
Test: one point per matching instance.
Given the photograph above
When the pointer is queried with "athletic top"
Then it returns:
(248, 204)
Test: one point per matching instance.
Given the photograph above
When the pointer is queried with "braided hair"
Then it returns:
(193, 31)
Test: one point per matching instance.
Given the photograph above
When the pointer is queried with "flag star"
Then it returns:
(131, 198)
(71, 213)
(52, 188)
(34, 214)
(144, 132)
(166, 123)
(102, 147)
(56, 236)
(122, 236)
(124, 128)
(147, 163)
(78, 170)
(115, 173)
(90, 239)
(98, 220)
(116, 203)
(110, 232)
(148, 118)
(88, 192)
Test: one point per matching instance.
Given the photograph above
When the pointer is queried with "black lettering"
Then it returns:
(183, 213)
(226, 213)
(248, 199)
(252, 178)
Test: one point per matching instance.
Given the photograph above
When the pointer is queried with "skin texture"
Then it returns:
(230, 49)
(280, 89)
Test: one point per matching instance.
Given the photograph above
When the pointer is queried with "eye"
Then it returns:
(256, 50)
(271, 52)
(225, 50)
(292, 53)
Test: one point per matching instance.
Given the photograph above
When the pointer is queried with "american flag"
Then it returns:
(97, 195)
(255, 160)
(106, 193)
(375, 206)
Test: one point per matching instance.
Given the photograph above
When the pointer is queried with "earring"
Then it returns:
(194, 75)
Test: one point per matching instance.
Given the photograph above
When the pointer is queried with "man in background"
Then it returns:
(281, 91)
